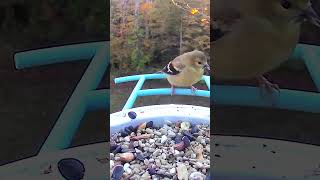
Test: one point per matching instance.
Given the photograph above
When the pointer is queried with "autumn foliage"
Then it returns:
(147, 34)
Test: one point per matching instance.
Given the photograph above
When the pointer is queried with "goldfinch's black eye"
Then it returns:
(199, 62)
(285, 4)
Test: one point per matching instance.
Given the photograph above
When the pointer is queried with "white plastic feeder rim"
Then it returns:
(159, 114)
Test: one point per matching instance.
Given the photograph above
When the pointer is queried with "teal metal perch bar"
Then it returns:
(85, 96)
(286, 99)
(54, 55)
(249, 96)
(161, 91)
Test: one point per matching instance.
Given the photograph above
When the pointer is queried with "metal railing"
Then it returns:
(85, 97)
(137, 91)
(286, 99)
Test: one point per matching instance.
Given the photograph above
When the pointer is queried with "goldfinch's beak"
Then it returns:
(312, 16)
(206, 66)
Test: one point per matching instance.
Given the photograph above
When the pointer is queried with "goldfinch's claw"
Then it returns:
(48, 170)
(103, 160)
(172, 90)
(193, 89)
(268, 87)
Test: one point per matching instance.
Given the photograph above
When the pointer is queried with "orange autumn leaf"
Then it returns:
(204, 20)
(147, 44)
(145, 6)
(194, 11)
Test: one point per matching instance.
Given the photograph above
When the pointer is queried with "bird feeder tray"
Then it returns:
(158, 113)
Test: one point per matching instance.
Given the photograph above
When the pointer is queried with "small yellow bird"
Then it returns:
(186, 70)
(261, 36)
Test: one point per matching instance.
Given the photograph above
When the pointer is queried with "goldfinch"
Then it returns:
(186, 70)
(262, 35)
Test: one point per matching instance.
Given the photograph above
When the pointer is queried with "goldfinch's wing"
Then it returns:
(174, 67)
(217, 33)
(228, 10)
(226, 13)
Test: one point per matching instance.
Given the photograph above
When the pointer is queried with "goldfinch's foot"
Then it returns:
(193, 89)
(48, 170)
(268, 87)
(103, 160)
(172, 90)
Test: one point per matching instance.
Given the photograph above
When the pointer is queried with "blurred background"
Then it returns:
(273, 123)
(146, 35)
(32, 99)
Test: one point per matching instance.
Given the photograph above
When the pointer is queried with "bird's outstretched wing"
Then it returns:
(174, 67)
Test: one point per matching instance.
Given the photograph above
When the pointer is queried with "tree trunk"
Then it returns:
(123, 17)
(147, 22)
(137, 26)
(181, 35)
(136, 12)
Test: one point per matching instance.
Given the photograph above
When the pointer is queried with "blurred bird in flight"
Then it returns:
(253, 37)
(186, 70)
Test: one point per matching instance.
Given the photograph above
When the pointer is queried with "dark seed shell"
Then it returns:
(117, 172)
(117, 150)
(186, 141)
(178, 139)
(164, 175)
(152, 171)
(113, 146)
(189, 135)
(71, 168)
(150, 124)
(132, 114)
(147, 154)
(124, 133)
(128, 150)
(136, 128)
(140, 156)
(129, 129)
(192, 125)
(195, 129)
